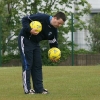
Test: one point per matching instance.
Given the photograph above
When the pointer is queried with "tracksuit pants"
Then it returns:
(31, 64)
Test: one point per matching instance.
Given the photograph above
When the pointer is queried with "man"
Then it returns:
(28, 41)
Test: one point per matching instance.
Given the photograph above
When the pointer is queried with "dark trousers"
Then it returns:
(31, 64)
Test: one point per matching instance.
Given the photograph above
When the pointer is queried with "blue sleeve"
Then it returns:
(27, 19)
(26, 24)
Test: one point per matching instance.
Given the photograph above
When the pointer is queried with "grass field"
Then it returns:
(63, 83)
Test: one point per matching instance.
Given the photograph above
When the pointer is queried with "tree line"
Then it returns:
(12, 11)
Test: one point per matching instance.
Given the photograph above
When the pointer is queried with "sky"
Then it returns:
(94, 3)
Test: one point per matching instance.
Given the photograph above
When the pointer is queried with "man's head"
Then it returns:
(58, 19)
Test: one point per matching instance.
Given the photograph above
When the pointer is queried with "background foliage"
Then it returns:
(94, 37)
(12, 11)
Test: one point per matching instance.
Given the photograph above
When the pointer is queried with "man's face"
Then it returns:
(57, 22)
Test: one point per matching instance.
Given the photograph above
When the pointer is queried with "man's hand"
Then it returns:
(34, 32)
(55, 60)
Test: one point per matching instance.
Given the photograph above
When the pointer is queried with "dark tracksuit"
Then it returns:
(30, 49)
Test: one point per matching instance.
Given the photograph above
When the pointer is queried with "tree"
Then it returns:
(10, 24)
(94, 37)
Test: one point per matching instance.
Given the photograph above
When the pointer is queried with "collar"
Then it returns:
(50, 18)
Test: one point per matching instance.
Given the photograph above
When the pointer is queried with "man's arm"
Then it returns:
(53, 43)
(26, 24)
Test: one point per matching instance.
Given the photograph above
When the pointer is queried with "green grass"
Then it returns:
(63, 83)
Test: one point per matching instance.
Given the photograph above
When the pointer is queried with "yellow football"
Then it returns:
(54, 53)
(36, 25)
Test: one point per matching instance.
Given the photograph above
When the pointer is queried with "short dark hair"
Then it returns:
(60, 15)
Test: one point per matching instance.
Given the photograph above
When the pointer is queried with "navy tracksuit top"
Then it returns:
(48, 32)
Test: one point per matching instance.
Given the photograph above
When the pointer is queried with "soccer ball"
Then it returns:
(36, 25)
(54, 53)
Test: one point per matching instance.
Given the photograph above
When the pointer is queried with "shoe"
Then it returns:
(45, 91)
(31, 91)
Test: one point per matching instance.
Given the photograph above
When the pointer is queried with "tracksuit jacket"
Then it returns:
(48, 31)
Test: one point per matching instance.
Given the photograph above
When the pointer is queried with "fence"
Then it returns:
(83, 60)
(79, 60)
